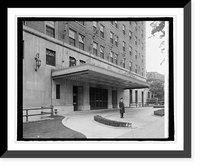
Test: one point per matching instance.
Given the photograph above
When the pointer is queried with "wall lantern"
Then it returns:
(38, 62)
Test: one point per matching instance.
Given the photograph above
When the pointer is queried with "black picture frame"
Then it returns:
(186, 153)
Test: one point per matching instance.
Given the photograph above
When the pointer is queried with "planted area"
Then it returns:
(159, 112)
(109, 122)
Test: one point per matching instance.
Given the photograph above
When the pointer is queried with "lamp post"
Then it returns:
(38, 62)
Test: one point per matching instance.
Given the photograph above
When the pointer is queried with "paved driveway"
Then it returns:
(144, 123)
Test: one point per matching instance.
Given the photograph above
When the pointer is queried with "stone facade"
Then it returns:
(39, 89)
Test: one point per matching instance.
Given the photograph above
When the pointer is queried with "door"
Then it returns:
(98, 98)
(75, 97)
(114, 98)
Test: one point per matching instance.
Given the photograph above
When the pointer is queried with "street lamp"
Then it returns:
(38, 62)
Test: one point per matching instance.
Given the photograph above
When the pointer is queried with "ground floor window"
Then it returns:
(57, 91)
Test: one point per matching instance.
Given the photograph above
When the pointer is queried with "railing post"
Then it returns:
(27, 115)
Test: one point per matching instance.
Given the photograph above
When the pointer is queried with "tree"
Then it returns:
(158, 27)
(157, 89)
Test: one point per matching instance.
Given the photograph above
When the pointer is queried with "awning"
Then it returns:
(98, 75)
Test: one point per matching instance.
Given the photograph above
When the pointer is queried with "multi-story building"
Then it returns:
(82, 65)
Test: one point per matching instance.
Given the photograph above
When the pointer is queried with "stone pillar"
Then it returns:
(110, 98)
(86, 97)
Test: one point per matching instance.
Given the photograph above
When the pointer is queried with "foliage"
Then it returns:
(157, 88)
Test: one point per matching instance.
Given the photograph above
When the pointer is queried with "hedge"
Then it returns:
(159, 112)
(105, 121)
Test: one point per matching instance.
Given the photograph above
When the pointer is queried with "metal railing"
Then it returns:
(145, 104)
(27, 115)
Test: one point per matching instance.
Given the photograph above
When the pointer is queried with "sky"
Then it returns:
(153, 53)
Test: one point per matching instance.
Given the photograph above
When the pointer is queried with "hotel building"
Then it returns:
(82, 65)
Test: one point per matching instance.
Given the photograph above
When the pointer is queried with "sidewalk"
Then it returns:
(144, 123)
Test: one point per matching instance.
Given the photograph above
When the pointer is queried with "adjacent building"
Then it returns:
(82, 65)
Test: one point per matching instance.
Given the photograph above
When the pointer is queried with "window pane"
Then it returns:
(50, 31)
(50, 57)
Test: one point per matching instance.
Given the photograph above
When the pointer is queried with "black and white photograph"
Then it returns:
(95, 78)
(99, 83)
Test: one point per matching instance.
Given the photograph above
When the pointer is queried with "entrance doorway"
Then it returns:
(142, 98)
(98, 98)
(75, 97)
(114, 98)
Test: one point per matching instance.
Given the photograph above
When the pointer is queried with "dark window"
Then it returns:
(124, 46)
(111, 37)
(130, 35)
(130, 66)
(123, 28)
(57, 91)
(50, 57)
(81, 42)
(111, 57)
(102, 31)
(148, 95)
(116, 40)
(116, 59)
(94, 26)
(95, 48)
(123, 62)
(102, 52)
(130, 50)
(116, 24)
(136, 68)
(72, 61)
(50, 31)
(136, 54)
(72, 38)
(112, 22)
(135, 40)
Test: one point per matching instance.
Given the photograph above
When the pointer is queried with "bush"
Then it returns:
(159, 112)
(105, 121)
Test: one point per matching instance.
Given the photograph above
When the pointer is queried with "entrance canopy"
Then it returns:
(101, 76)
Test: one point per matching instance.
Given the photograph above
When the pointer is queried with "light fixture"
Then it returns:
(38, 62)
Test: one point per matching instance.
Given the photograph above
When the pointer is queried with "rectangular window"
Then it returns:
(116, 24)
(130, 50)
(111, 57)
(81, 39)
(136, 54)
(130, 22)
(142, 71)
(135, 26)
(94, 26)
(136, 68)
(72, 61)
(57, 91)
(124, 29)
(130, 65)
(142, 33)
(135, 40)
(142, 46)
(50, 57)
(124, 46)
(95, 48)
(142, 59)
(116, 59)
(102, 52)
(123, 62)
(72, 37)
(102, 31)
(111, 37)
(130, 35)
(116, 40)
(50, 31)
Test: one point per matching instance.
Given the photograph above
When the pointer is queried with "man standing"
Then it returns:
(121, 107)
